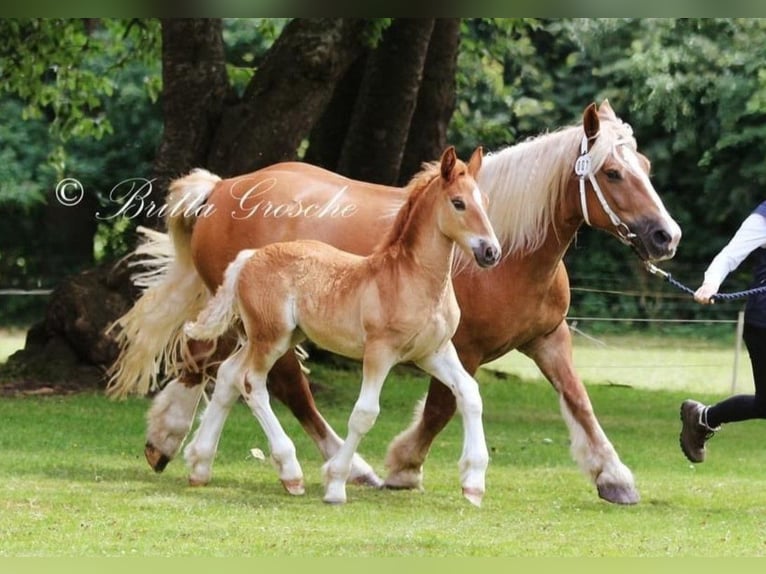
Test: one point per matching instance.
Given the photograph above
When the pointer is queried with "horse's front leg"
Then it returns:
(378, 360)
(408, 451)
(590, 446)
(289, 384)
(445, 365)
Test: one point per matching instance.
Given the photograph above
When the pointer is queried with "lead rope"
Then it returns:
(654, 270)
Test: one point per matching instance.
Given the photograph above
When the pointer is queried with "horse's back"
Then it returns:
(285, 202)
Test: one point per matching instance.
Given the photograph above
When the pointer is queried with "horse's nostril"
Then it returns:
(661, 237)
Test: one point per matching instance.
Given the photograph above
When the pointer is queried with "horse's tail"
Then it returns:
(150, 335)
(219, 314)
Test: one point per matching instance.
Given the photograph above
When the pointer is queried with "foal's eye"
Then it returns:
(458, 204)
(613, 175)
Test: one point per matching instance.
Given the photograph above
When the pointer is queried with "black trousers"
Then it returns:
(745, 407)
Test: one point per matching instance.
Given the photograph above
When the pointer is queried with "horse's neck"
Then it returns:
(423, 245)
(559, 235)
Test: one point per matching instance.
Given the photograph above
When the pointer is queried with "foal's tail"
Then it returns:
(219, 314)
(150, 335)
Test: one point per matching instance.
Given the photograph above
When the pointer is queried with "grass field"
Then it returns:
(73, 482)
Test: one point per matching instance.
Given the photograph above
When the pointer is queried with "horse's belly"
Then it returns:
(334, 337)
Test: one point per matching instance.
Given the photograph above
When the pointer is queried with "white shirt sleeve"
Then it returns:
(750, 236)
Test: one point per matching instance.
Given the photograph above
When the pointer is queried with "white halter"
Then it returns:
(584, 167)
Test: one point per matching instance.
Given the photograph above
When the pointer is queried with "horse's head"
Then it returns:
(615, 191)
(462, 208)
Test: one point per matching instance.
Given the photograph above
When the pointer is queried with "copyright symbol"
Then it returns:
(69, 192)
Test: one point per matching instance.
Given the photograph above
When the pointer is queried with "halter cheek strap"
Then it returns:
(584, 168)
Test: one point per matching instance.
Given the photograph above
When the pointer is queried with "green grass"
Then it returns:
(647, 361)
(73, 482)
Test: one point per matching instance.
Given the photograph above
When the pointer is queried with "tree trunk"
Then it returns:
(436, 99)
(288, 94)
(329, 133)
(375, 143)
(194, 90)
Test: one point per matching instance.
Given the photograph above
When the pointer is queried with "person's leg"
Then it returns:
(700, 422)
(745, 407)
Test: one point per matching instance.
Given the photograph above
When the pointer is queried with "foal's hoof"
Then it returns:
(618, 493)
(157, 460)
(198, 481)
(294, 486)
(473, 495)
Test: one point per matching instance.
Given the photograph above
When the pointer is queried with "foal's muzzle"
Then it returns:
(487, 253)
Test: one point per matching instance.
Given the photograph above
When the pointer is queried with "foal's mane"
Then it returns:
(416, 188)
(525, 182)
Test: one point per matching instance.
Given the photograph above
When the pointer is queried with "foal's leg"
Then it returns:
(289, 384)
(445, 365)
(590, 446)
(199, 453)
(282, 449)
(377, 363)
(171, 415)
(408, 451)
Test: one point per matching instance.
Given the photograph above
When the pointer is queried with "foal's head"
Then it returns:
(462, 207)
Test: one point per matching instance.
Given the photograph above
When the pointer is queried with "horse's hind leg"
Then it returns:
(282, 448)
(289, 384)
(590, 446)
(170, 419)
(171, 415)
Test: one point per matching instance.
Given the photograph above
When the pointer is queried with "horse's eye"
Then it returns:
(613, 175)
(458, 204)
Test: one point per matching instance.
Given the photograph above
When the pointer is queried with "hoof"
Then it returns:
(294, 487)
(334, 501)
(404, 480)
(155, 458)
(197, 482)
(473, 495)
(370, 479)
(618, 494)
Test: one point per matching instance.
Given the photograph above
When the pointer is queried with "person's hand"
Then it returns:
(704, 293)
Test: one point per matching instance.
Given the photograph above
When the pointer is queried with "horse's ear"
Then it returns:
(448, 161)
(605, 109)
(590, 121)
(474, 164)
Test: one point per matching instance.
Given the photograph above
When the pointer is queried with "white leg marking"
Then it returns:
(446, 366)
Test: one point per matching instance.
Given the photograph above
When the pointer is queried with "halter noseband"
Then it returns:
(584, 168)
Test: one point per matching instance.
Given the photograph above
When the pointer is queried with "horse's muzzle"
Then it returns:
(658, 242)
(487, 253)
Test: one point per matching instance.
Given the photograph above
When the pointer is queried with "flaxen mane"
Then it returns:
(525, 182)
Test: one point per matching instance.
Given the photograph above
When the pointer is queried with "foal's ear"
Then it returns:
(448, 161)
(590, 121)
(474, 164)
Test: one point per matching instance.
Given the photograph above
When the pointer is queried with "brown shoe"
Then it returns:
(694, 433)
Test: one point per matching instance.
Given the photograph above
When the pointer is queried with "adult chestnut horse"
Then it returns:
(541, 191)
(395, 305)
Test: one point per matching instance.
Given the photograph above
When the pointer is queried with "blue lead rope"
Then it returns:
(654, 270)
